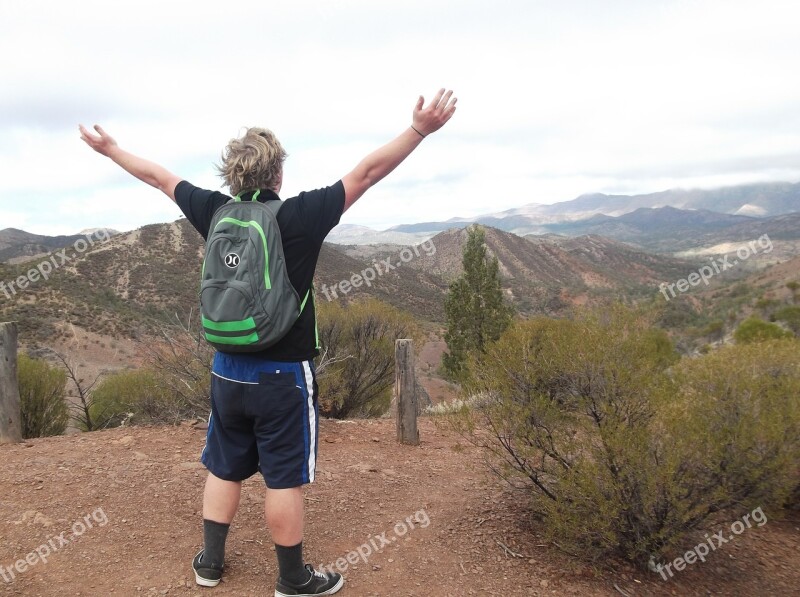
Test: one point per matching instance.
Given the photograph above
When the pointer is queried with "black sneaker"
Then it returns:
(320, 583)
(205, 575)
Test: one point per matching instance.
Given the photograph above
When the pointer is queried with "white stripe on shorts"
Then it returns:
(312, 422)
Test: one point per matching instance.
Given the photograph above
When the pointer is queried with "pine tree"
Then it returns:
(475, 310)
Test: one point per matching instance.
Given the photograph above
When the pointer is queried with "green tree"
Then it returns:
(475, 309)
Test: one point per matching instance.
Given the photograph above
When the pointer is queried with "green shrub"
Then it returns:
(356, 369)
(127, 397)
(623, 449)
(765, 304)
(790, 316)
(738, 424)
(758, 330)
(714, 330)
(41, 389)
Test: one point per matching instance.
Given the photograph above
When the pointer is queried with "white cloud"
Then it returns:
(555, 99)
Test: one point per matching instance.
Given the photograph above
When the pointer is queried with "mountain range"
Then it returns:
(676, 221)
(579, 250)
(645, 220)
(127, 285)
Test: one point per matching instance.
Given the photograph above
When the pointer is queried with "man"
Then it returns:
(264, 405)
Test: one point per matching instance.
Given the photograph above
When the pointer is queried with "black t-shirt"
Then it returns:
(304, 221)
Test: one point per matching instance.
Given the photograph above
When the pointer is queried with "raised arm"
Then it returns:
(382, 161)
(153, 174)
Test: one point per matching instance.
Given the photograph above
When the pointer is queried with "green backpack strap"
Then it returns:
(253, 198)
(303, 304)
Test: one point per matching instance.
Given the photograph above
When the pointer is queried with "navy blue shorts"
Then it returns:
(264, 417)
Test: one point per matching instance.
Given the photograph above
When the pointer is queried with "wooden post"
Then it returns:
(10, 416)
(405, 394)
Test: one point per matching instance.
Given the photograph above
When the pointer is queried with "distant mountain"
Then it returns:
(762, 293)
(786, 227)
(136, 280)
(755, 200)
(783, 233)
(17, 245)
(765, 199)
(664, 229)
(351, 234)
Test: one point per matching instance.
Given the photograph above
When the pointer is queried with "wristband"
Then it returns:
(420, 134)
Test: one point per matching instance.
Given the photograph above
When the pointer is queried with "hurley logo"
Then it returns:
(232, 260)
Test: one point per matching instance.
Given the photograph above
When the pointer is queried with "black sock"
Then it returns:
(290, 564)
(214, 536)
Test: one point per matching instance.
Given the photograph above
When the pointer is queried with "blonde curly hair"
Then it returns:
(253, 161)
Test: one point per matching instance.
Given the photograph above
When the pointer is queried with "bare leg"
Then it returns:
(283, 509)
(221, 499)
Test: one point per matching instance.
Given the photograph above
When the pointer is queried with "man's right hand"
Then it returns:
(433, 117)
(383, 160)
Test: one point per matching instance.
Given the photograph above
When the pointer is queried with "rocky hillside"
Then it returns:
(123, 287)
(546, 274)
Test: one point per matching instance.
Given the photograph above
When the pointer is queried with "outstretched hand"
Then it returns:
(145, 170)
(101, 143)
(433, 117)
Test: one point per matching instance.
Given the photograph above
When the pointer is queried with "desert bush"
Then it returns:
(754, 329)
(128, 397)
(715, 330)
(44, 410)
(622, 449)
(794, 286)
(740, 413)
(766, 304)
(357, 372)
(82, 388)
(790, 316)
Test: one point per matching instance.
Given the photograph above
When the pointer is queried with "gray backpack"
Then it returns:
(246, 300)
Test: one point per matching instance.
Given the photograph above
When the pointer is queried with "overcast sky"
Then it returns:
(555, 99)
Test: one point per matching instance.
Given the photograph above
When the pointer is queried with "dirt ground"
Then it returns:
(120, 513)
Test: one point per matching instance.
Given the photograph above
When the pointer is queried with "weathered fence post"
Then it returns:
(10, 416)
(405, 394)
